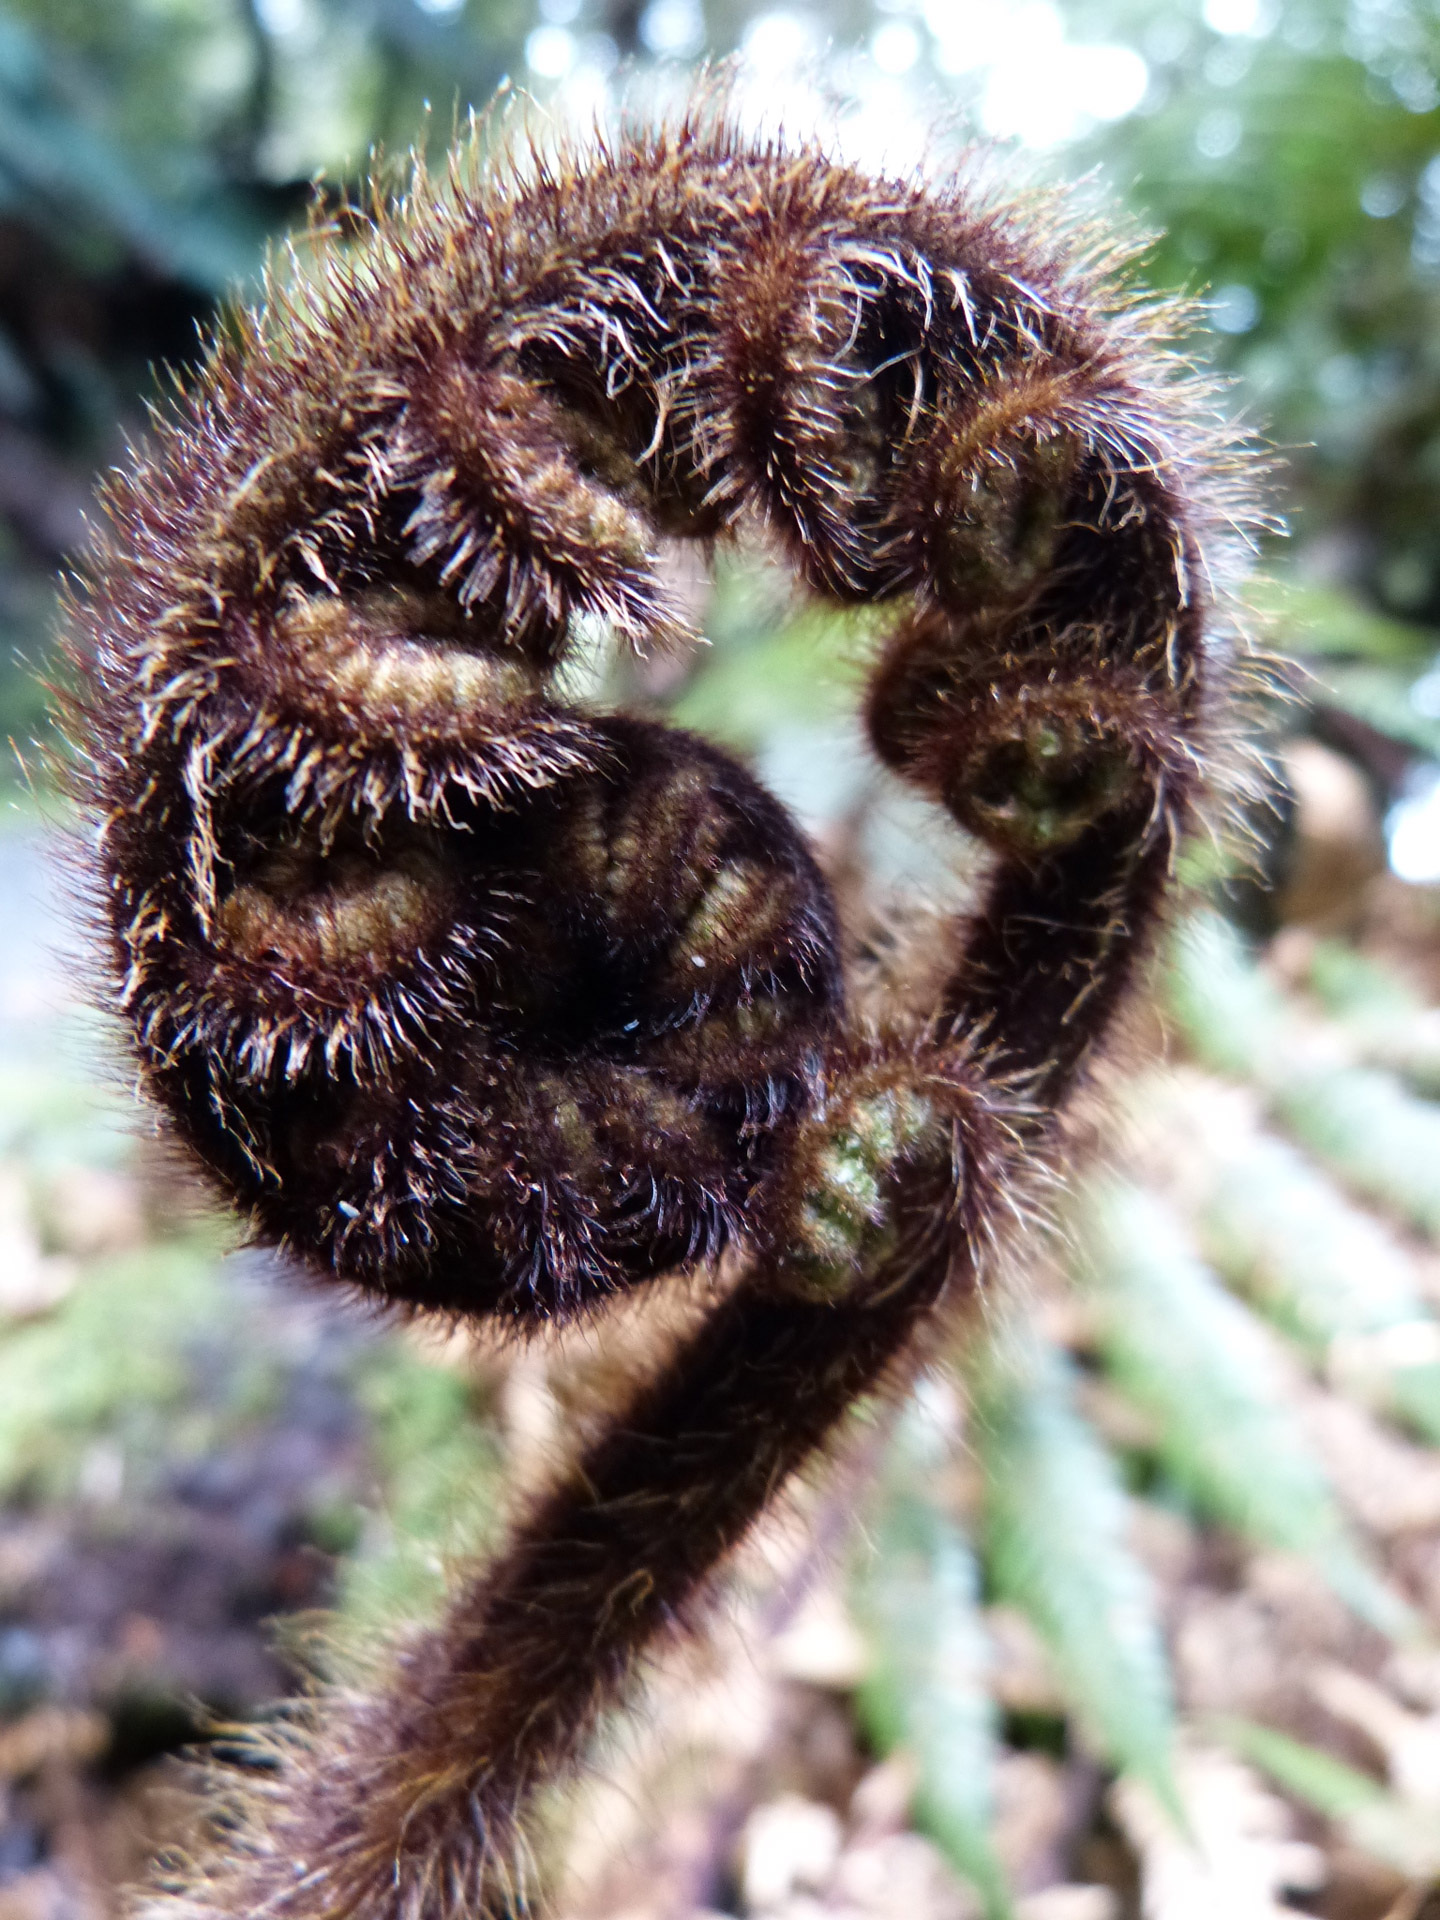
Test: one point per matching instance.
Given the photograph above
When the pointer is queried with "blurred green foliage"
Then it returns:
(1294, 171)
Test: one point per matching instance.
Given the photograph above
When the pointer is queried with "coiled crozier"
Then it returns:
(490, 1004)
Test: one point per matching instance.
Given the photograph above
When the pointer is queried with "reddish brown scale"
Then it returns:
(492, 1005)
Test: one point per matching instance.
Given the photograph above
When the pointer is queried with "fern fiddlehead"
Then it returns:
(487, 1004)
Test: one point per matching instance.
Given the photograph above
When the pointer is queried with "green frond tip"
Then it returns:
(916, 1599)
(1055, 1519)
(845, 1227)
(1399, 1832)
(1329, 1786)
(1196, 1361)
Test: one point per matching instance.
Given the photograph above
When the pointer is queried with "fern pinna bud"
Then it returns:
(492, 1003)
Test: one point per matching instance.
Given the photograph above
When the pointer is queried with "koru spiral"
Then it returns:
(489, 1003)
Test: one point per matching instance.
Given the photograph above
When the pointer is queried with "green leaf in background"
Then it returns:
(441, 1467)
(1330, 1786)
(1381, 697)
(1388, 1021)
(50, 1118)
(916, 1599)
(49, 153)
(1055, 1517)
(1380, 1139)
(1232, 1018)
(111, 1360)
(1328, 1275)
(1180, 1348)
(1306, 617)
(1399, 1832)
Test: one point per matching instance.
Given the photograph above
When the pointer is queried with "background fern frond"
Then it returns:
(1195, 1361)
(1054, 1524)
(916, 1595)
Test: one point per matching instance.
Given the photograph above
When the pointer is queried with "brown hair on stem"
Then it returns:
(485, 1003)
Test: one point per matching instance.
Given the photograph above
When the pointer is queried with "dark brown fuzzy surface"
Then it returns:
(492, 1005)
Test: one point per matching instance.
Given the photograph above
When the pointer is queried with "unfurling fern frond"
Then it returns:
(488, 1003)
